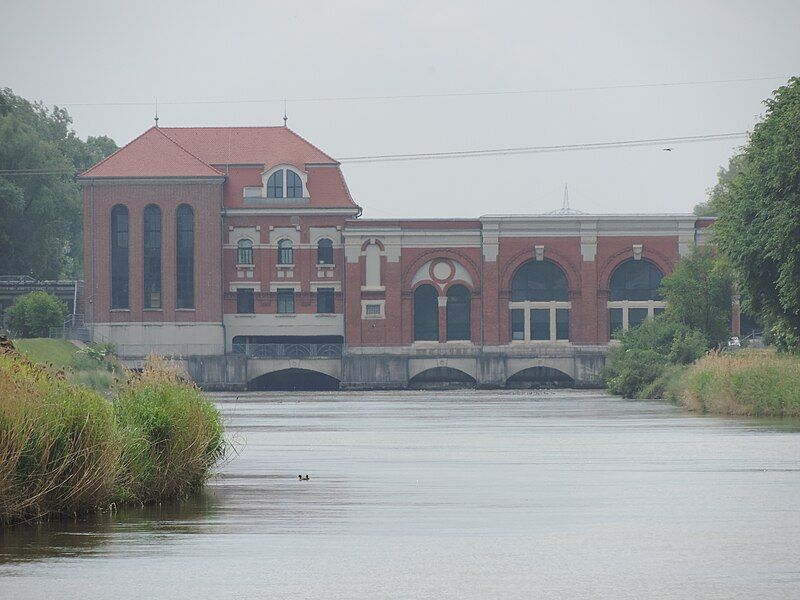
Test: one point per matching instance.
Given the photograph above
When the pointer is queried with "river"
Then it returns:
(459, 494)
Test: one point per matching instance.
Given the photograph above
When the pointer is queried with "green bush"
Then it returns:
(32, 315)
(636, 367)
(66, 450)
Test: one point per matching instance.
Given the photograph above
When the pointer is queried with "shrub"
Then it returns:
(66, 450)
(634, 368)
(33, 314)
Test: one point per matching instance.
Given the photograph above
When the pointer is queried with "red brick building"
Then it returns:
(245, 242)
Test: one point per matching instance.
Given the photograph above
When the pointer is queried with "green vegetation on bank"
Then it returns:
(66, 450)
(94, 366)
(745, 382)
(33, 314)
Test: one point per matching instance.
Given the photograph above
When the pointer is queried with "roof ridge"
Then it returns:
(117, 151)
(188, 152)
(224, 127)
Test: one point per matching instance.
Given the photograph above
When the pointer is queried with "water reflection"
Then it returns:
(98, 534)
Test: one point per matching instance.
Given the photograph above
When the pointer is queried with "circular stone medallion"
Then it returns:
(442, 271)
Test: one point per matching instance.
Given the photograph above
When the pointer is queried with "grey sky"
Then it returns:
(95, 52)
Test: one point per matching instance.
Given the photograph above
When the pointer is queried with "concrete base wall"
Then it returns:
(167, 339)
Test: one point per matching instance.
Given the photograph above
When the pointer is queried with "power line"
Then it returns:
(544, 149)
(436, 95)
(689, 139)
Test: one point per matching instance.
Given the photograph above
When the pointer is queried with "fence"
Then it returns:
(289, 350)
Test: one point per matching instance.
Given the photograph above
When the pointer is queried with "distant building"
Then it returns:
(243, 245)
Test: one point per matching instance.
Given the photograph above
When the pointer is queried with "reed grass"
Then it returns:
(67, 450)
(747, 382)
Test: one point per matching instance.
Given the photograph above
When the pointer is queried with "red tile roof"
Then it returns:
(152, 154)
(269, 146)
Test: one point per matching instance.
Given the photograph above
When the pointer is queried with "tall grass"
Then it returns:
(67, 450)
(751, 382)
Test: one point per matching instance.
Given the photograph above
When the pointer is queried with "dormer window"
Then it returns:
(284, 183)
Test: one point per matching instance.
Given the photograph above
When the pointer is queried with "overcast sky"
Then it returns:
(74, 53)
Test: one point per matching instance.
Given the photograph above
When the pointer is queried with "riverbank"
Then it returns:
(746, 382)
(93, 366)
(67, 450)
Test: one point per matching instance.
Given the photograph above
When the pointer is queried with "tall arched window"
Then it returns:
(634, 294)
(275, 185)
(244, 252)
(372, 259)
(459, 306)
(325, 252)
(119, 257)
(426, 313)
(539, 302)
(152, 257)
(285, 252)
(184, 242)
(294, 185)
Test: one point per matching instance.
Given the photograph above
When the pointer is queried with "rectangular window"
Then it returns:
(562, 323)
(325, 302)
(636, 316)
(373, 310)
(285, 301)
(517, 324)
(615, 318)
(540, 324)
(245, 301)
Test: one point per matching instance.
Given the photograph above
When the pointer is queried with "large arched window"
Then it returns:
(459, 306)
(372, 259)
(539, 303)
(285, 252)
(284, 183)
(119, 257)
(184, 241)
(426, 313)
(152, 257)
(325, 252)
(634, 294)
(244, 252)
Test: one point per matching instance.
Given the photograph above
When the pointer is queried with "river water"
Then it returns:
(468, 494)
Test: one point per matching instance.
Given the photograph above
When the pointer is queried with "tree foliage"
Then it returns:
(698, 294)
(40, 214)
(33, 314)
(759, 217)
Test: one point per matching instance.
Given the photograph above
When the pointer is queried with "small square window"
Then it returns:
(373, 309)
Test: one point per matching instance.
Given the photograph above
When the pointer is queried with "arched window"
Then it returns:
(152, 257)
(372, 257)
(244, 252)
(284, 183)
(285, 252)
(426, 313)
(459, 306)
(119, 257)
(294, 185)
(634, 294)
(184, 241)
(325, 252)
(539, 303)
(275, 185)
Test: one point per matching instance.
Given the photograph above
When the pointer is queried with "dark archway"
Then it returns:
(293, 380)
(539, 281)
(439, 378)
(539, 377)
(426, 313)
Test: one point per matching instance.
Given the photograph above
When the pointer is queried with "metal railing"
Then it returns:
(289, 350)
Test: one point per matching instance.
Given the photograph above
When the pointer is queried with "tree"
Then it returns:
(33, 314)
(40, 214)
(725, 176)
(698, 294)
(758, 228)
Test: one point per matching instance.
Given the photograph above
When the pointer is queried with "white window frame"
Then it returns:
(380, 303)
(625, 305)
(526, 306)
(303, 180)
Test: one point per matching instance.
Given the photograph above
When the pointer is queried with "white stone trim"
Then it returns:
(336, 285)
(381, 303)
(246, 285)
(285, 285)
(526, 306)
